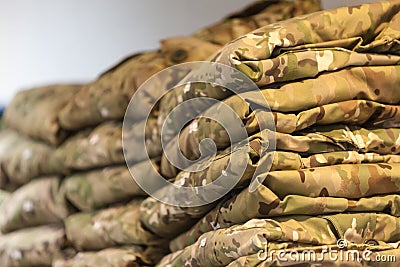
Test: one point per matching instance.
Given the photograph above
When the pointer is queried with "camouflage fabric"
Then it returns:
(22, 159)
(37, 203)
(167, 220)
(328, 99)
(259, 14)
(35, 112)
(132, 256)
(151, 137)
(305, 47)
(254, 16)
(90, 149)
(96, 189)
(313, 140)
(221, 247)
(308, 45)
(31, 247)
(108, 97)
(389, 252)
(115, 226)
(4, 195)
(263, 203)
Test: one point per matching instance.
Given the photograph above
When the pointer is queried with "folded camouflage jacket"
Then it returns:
(35, 112)
(92, 148)
(22, 159)
(221, 247)
(108, 97)
(92, 190)
(303, 48)
(39, 202)
(115, 226)
(350, 96)
(32, 246)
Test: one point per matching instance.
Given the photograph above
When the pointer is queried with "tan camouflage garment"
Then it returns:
(4, 195)
(337, 142)
(328, 100)
(26, 207)
(32, 246)
(331, 81)
(92, 190)
(227, 245)
(35, 112)
(90, 149)
(115, 226)
(22, 159)
(108, 97)
(92, 159)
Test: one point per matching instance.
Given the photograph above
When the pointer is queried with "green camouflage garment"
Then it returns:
(115, 226)
(96, 189)
(4, 195)
(229, 29)
(168, 221)
(39, 202)
(92, 148)
(221, 247)
(22, 159)
(35, 112)
(348, 96)
(303, 48)
(339, 167)
(264, 203)
(108, 96)
(32, 246)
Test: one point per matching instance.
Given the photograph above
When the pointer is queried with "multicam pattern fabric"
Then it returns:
(90, 149)
(330, 82)
(35, 112)
(167, 220)
(308, 45)
(3, 196)
(264, 203)
(313, 140)
(32, 246)
(115, 226)
(89, 191)
(332, 92)
(107, 98)
(22, 159)
(39, 202)
(364, 96)
(221, 247)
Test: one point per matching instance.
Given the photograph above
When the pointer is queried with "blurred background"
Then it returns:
(47, 41)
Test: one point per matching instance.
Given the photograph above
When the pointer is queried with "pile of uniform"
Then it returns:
(67, 197)
(330, 84)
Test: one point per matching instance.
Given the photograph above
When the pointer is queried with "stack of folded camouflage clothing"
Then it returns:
(71, 200)
(331, 81)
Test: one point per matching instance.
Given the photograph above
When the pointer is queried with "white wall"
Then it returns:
(45, 41)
